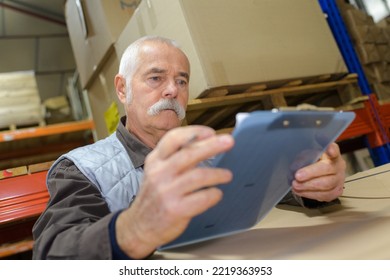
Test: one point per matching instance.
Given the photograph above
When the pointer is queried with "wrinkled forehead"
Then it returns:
(161, 52)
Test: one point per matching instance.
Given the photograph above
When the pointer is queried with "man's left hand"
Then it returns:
(324, 179)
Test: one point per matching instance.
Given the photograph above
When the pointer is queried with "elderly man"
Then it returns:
(93, 213)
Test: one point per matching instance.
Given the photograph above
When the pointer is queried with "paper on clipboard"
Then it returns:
(270, 146)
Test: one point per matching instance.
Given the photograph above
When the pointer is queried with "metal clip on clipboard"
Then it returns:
(305, 107)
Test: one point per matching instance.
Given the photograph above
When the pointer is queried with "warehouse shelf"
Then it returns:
(45, 143)
(23, 192)
(256, 95)
(219, 111)
(23, 197)
(344, 42)
(385, 111)
(365, 123)
(378, 143)
(40, 131)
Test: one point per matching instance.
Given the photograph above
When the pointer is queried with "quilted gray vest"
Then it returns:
(107, 165)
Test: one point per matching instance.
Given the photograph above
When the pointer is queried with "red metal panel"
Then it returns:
(22, 200)
(361, 125)
(373, 120)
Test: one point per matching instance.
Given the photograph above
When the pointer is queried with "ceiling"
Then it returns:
(34, 36)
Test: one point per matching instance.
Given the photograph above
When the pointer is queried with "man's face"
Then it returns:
(162, 74)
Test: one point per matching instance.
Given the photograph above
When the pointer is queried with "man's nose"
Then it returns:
(171, 89)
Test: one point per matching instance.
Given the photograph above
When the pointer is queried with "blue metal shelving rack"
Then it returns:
(380, 155)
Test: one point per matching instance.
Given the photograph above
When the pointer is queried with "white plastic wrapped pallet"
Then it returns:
(20, 102)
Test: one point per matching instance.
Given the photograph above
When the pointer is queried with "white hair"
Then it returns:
(130, 59)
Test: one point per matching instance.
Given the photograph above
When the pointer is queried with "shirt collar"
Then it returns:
(136, 150)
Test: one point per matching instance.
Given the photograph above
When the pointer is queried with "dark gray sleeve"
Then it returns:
(294, 200)
(75, 224)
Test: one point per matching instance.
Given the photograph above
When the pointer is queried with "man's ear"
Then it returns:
(120, 87)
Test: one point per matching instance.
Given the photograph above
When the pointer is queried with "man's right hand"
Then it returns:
(173, 189)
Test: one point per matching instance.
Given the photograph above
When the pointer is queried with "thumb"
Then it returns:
(333, 151)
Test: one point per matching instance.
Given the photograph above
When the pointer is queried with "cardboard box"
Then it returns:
(356, 17)
(102, 94)
(386, 32)
(363, 34)
(382, 71)
(369, 71)
(360, 25)
(368, 53)
(93, 28)
(384, 22)
(382, 90)
(233, 42)
(377, 72)
(384, 52)
(380, 35)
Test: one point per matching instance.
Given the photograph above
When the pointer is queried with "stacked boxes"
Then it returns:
(231, 42)
(20, 100)
(102, 95)
(228, 42)
(372, 45)
(93, 28)
(384, 52)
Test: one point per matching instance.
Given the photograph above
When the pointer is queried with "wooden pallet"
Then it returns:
(25, 170)
(39, 131)
(219, 107)
(14, 126)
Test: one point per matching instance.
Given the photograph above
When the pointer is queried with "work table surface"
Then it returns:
(358, 228)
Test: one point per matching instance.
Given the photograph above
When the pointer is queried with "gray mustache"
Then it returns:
(167, 104)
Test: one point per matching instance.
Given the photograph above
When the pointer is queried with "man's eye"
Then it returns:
(182, 82)
(155, 79)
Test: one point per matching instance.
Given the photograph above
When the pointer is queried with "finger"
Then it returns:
(320, 184)
(327, 195)
(315, 170)
(198, 202)
(199, 178)
(333, 151)
(201, 150)
(304, 158)
(170, 194)
(176, 138)
(188, 194)
(329, 163)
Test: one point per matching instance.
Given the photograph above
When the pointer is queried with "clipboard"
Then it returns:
(270, 146)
